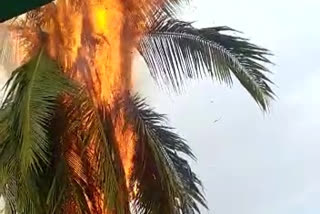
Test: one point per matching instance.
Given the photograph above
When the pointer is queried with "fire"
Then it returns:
(93, 40)
(88, 39)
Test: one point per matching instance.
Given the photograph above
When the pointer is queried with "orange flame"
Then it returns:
(90, 40)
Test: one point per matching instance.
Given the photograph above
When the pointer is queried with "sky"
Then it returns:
(250, 162)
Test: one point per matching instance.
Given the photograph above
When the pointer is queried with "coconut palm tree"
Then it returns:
(58, 145)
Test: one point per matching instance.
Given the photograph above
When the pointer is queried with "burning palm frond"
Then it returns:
(72, 137)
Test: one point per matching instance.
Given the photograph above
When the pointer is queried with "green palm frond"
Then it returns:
(33, 90)
(164, 180)
(30, 101)
(175, 51)
(7, 171)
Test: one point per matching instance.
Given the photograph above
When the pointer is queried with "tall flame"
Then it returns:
(93, 42)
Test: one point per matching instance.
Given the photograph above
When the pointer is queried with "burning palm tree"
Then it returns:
(73, 137)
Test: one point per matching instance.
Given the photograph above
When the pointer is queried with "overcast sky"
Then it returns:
(251, 163)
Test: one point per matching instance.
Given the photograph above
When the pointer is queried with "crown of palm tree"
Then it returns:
(48, 123)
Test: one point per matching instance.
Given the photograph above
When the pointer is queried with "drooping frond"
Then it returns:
(26, 148)
(33, 90)
(163, 181)
(91, 125)
(62, 190)
(8, 181)
(175, 51)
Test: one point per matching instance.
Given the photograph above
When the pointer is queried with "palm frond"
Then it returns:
(175, 51)
(16, 193)
(60, 188)
(33, 90)
(26, 147)
(163, 180)
(170, 6)
(91, 125)
(7, 170)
